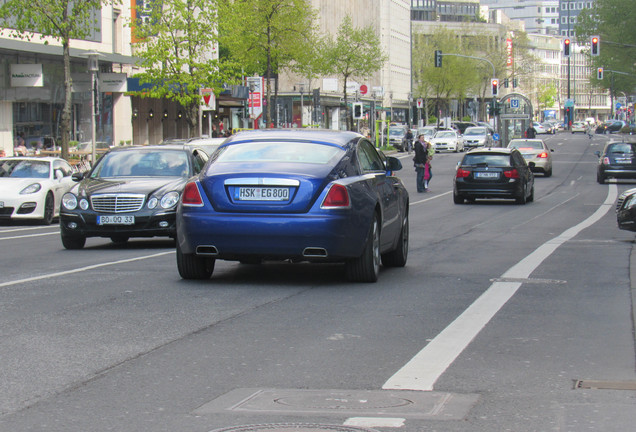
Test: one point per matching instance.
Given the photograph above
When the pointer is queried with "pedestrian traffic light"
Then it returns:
(595, 41)
(566, 48)
(599, 73)
(357, 110)
(494, 84)
(438, 58)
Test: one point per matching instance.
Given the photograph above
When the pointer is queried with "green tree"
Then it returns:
(267, 36)
(546, 96)
(353, 53)
(177, 48)
(612, 21)
(63, 20)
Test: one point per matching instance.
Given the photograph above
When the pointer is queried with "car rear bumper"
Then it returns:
(621, 173)
(512, 189)
(236, 236)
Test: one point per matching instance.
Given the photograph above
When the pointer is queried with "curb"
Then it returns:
(632, 278)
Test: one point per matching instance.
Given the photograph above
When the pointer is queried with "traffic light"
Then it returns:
(599, 73)
(494, 84)
(595, 41)
(506, 82)
(566, 48)
(357, 110)
(438, 58)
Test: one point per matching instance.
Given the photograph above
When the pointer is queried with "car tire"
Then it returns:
(531, 196)
(73, 241)
(49, 209)
(120, 240)
(600, 178)
(366, 267)
(548, 173)
(522, 199)
(398, 256)
(191, 266)
(458, 199)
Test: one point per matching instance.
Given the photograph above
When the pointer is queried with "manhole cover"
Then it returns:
(343, 401)
(294, 427)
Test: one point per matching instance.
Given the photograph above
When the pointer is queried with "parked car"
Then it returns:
(579, 126)
(612, 126)
(131, 192)
(617, 160)
(300, 195)
(448, 139)
(462, 126)
(493, 172)
(32, 187)
(208, 144)
(535, 151)
(396, 136)
(477, 136)
(626, 210)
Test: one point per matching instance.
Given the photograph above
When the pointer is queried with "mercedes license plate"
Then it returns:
(249, 193)
(115, 220)
(487, 175)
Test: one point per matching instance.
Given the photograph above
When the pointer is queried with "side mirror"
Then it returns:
(393, 164)
(597, 153)
(78, 176)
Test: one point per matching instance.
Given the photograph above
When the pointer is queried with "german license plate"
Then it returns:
(487, 175)
(115, 220)
(261, 194)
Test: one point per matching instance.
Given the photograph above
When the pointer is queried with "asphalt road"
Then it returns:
(506, 317)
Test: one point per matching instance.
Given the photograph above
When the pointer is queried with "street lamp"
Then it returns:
(93, 68)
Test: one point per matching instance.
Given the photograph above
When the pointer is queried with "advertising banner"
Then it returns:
(26, 75)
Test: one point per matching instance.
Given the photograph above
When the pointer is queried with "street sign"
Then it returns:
(618, 105)
(209, 99)
(420, 103)
(255, 101)
(514, 103)
(364, 89)
(495, 137)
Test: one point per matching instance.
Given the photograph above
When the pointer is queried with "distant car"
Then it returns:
(396, 136)
(579, 127)
(617, 160)
(550, 128)
(32, 187)
(462, 126)
(298, 195)
(535, 151)
(448, 140)
(493, 172)
(427, 131)
(208, 144)
(539, 128)
(612, 126)
(131, 192)
(477, 136)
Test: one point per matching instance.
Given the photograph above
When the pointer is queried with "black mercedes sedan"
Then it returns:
(131, 192)
(494, 173)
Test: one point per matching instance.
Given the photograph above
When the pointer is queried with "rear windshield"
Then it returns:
(269, 151)
(622, 148)
(487, 159)
(538, 145)
(475, 131)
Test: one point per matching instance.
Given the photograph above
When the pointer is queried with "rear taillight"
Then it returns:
(462, 173)
(191, 195)
(513, 174)
(543, 155)
(337, 197)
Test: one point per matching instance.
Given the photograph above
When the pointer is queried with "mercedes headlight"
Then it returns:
(170, 200)
(69, 201)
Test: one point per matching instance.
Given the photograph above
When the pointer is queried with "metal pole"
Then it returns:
(93, 122)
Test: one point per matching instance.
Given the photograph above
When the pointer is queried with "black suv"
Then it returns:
(493, 173)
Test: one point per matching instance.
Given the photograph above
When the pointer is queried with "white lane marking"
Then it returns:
(431, 198)
(387, 422)
(29, 235)
(423, 370)
(82, 269)
(24, 229)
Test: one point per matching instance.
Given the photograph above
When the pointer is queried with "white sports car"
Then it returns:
(448, 139)
(32, 187)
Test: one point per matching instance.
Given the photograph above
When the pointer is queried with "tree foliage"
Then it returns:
(353, 53)
(267, 36)
(177, 47)
(613, 21)
(62, 20)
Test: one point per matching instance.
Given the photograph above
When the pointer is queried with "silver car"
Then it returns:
(536, 153)
(477, 136)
